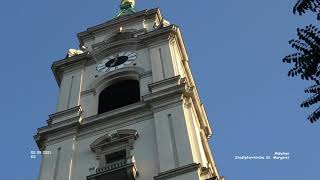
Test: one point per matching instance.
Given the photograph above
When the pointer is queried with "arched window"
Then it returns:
(118, 95)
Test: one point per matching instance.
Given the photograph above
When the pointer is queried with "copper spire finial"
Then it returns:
(127, 7)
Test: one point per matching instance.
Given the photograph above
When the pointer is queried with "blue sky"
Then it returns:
(235, 49)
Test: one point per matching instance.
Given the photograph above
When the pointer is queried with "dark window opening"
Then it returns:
(119, 95)
(117, 156)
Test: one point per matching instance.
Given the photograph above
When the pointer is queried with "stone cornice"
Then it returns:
(45, 132)
(154, 87)
(212, 166)
(160, 34)
(199, 108)
(165, 96)
(178, 171)
(75, 125)
(145, 14)
(100, 125)
(129, 110)
(64, 115)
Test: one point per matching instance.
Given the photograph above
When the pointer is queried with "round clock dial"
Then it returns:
(116, 61)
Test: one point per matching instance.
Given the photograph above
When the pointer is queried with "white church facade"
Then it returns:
(128, 107)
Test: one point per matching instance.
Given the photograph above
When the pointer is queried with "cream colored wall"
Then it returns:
(78, 152)
(49, 161)
(192, 121)
(162, 62)
(166, 60)
(194, 129)
(153, 150)
(70, 89)
(177, 58)
(173, 143)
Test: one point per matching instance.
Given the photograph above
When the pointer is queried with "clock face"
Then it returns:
(116, 61)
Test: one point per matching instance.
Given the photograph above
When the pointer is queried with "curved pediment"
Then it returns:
(119, 40)
(124, 135)
(107, 48)
(120, 36)
(117, 36)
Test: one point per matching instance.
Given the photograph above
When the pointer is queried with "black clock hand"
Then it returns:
(114, 62)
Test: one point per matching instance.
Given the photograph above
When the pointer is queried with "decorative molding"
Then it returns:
(64, 115)
(140, 41)
(126, 136)
(115, 119)
(120, 35)
(165, 96)
(211, 163)
(176, 101)
(128, 167)
(51, 128)
(60, 136)
(164, 84)
(55, 132)
(121, 140)
(128, 110)
(135, 31)
(115, 23)
(178, 171)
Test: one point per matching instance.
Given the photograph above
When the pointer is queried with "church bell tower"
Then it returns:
(128, 107)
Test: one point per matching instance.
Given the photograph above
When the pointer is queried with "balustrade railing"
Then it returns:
(115, 165)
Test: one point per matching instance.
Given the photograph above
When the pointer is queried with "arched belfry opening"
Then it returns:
(118, 95)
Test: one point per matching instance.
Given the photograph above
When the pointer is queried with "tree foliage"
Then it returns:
(305, 62)
(314, 99)
(307, 57)
(307, 5)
